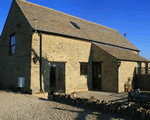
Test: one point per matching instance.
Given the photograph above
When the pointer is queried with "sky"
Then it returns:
(126, 16)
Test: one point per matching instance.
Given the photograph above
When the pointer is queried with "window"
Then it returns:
(83, 68)
(75, 25)
(12, 45)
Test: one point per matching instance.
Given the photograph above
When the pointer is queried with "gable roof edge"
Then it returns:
(23, 13)
(134, 60)
(105, 51)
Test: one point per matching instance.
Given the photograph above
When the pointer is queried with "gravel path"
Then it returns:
(27, 107)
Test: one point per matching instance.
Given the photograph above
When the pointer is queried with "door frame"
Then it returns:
(56, 78)
(98, 62)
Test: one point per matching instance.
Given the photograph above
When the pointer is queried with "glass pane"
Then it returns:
(75, 25)
(99, 71)
(53, 65)
(12, 40)
(53, 74)
(13, 49)
(60, 77)
(95, 71)
(60, 72)
(86, 69)
(81, 68)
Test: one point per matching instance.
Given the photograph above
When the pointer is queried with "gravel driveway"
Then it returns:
(109, 96)
(27, 107)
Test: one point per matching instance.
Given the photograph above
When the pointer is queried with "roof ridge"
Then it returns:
(65, 14)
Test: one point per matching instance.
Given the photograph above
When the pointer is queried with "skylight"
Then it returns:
(75, 25)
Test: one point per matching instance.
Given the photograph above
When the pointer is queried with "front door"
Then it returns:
(97, 75)
(57, 77)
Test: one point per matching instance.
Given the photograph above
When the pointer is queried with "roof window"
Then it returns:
(75, 25)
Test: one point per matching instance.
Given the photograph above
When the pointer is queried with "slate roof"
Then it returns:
(122, 54)
(50, 20)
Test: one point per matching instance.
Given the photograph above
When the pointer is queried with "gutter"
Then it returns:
(133, 60)
(73, 37)
(40, 35)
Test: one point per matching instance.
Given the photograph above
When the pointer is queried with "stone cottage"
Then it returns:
(54, 51)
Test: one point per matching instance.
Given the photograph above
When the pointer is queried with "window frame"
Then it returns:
(12, 44)
(83, 68)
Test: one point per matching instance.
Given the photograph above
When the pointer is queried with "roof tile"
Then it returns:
(50, 20)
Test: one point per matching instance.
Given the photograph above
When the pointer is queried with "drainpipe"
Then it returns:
(40, 35)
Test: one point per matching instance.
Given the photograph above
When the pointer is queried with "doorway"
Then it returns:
(57, 77)
(97, 75)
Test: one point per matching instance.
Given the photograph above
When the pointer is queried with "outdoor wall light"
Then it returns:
(119, 63)
(35, 60)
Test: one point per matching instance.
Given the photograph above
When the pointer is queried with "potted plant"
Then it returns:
(128, 85)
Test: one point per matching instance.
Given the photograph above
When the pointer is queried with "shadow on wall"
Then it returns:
(45, 71)
(89, 72)
(135, 80)
(1, 79)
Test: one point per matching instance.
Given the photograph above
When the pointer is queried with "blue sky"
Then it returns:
(130, 16)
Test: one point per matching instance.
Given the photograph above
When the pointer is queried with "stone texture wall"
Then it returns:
(126, 70)
(59, 49)
(18, 65)
(109, 69)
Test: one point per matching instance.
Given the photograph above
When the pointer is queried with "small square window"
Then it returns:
(12, 45)
(83, 68)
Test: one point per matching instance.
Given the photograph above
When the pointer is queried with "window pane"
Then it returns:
(13, 50)
(75, 25)
(95, 71)
(83, 69)
(12, 40)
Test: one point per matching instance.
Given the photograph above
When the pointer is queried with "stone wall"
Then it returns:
(109, 69)
(17, 65)
(117, 108)
(61, 49)
(126, 70)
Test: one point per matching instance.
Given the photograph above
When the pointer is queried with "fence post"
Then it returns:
(146, 68)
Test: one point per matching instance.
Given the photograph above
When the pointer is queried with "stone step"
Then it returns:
(41, 95)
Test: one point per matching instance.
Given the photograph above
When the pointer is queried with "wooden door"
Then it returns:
(97, 75)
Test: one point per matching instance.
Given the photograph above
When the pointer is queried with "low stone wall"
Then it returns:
(102, 105)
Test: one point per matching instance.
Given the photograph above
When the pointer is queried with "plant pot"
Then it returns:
(128, 89)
